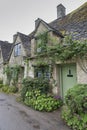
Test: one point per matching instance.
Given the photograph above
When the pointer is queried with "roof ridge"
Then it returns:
(71, 13)
(22, 34)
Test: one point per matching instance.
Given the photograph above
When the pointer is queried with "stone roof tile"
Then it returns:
(75, 22)
(6, 48)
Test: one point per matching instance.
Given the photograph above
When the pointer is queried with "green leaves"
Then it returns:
(75, 112)
(30, 84)
(12, 74)
(42, 102)
(35, 93)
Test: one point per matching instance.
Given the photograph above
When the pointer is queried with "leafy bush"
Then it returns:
(76, 99)
(35, 94)
(75, 114)
(73, 120)
(13, 89)
(1, 85)
(5, 88)
(1, 81)
(36, 83)
(8, 89)
(42, 102)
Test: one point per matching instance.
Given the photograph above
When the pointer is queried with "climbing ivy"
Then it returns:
(42, 40)
(12, 73)
(66, 50)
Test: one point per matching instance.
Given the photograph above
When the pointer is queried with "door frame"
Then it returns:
(61, 79)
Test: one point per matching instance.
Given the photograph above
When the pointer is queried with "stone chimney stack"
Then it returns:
(37, 22)
(61, 11)
(14, 37)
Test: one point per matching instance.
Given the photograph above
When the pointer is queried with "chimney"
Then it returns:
(37, 22)
(61, 11)
(14, 37)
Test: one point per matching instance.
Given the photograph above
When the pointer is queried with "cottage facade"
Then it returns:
(30, 53)
(69, 73)
(5, 48)
(17, 57)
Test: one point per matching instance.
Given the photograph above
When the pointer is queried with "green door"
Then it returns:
(68, 77)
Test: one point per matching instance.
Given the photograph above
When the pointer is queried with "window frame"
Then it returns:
(17, 49)
(42, 72)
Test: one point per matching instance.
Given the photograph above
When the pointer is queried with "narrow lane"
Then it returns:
(15, 116)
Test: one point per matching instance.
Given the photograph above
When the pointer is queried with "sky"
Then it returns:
(20, 15)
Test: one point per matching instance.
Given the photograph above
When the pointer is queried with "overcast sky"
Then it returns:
(20, 15)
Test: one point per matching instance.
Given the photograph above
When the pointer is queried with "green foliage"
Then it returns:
(8, 72)
(35, 94)
(68, 50)
(13, 89)
(42, 40)
(1, 81)
(12, 74)
(76, 99)
(8, 89)
(75, 121)
(75, 114)
(36, 83)
(42, 102)
(5, 89)
(1, 85)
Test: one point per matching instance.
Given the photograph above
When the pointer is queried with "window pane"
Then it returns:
(47, 75)
(39, 74)
(17, 50)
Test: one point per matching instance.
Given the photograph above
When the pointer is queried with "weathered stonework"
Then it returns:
(17, 60)
(81, 75)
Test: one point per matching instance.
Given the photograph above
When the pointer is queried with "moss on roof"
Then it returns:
(77, 15)
(75, 22)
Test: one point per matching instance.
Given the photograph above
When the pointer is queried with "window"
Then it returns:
(42, 72)
(17, 50)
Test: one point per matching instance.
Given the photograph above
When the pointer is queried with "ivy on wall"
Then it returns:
(12, 74)
(68, 49)
(41, 41)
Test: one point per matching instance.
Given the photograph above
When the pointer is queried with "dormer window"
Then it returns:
(17, 50)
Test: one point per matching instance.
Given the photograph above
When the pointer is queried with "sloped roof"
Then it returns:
(6, 48)
(50, 28)
(25, 39)
(26, 42)
(75, 23)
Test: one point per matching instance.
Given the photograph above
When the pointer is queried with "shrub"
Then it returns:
(5, 88)
(42, 102)
(34, 83)
(35, 94)
(1, 85)
(8, 89)
(73, 120)
(1, 81)
(76, 99)
(75, 112)
(13, 89)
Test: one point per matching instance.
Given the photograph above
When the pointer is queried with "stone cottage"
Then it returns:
(17, 56)
(65, 74)
(31, 51)
(5, 48)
